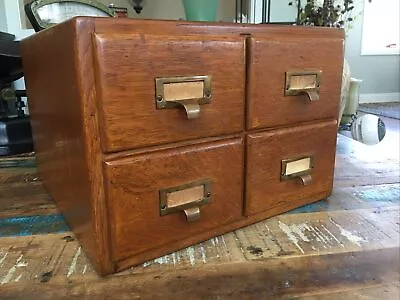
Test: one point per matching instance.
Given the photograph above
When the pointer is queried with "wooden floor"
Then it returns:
(344, 247)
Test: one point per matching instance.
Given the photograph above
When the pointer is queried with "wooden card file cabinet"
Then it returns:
(155, 135)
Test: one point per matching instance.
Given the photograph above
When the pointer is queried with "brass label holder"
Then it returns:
(298, 168)
(185, 92)
(186, 198)
(303, 82)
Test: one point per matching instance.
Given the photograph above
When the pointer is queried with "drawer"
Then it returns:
(289, 167)
(162, 197)
(155, 89)
(288, 75)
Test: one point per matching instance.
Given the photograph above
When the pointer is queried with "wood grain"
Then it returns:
(16, 197)
(107, 25)
(271, 278)
(88, 101)
(10, 175)
(270, 59)
(127, 66)
(361, 164)
(266, 150)
(133, 185)
(64, 125)
(317, 233)
(57, 125)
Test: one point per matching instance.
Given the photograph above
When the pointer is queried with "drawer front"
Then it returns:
(155, 89)
(158, 198)
(289, 167)
(293, 80)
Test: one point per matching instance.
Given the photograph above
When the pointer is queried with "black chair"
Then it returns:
(15, 130)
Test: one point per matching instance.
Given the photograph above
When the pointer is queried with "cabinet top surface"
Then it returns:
(120, 25)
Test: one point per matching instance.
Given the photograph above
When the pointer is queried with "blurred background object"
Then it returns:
(15, 130)
(205, 10)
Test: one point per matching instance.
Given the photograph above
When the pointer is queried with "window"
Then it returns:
(381, 34)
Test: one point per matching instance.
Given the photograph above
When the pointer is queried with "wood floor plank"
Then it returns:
(320, 233)
(24, 198)
(31, 225)
(25, 160)
(60, 256)
(18, 174)
(358, 164)
(348, 198)
(282, 278)
(382, 291)
(285, 236)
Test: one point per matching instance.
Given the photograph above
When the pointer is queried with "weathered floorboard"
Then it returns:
(308, 234)
(274, 277)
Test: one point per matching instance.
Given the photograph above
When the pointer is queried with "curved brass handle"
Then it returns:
(303, 82)
(186, 92)
(312, 94)
(191, 107)
(192, 214)
(306, 179)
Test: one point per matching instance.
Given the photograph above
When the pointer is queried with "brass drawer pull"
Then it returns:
(299, 167)
(306, 179)
(187, 198)
(192, 214)
(186, 92)
(303, 82)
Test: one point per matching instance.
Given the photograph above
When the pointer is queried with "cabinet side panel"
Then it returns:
(86, 74)
(57, 117)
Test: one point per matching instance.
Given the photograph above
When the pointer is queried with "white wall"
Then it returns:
(11, 9)
(381, 28)
(3, 20)
(380, 73)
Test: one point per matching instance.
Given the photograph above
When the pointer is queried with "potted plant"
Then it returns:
(327, 13)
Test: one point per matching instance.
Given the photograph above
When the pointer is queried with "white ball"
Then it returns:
(368, 129)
